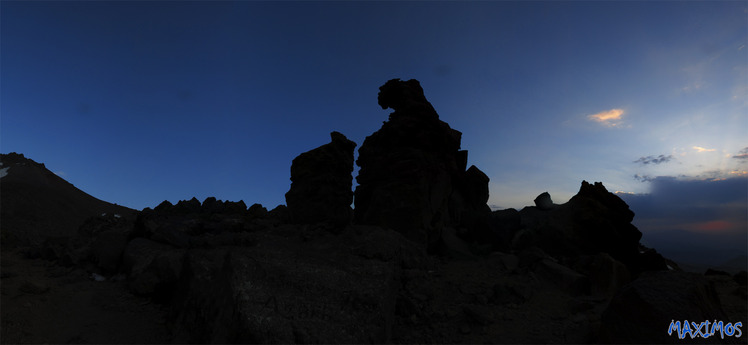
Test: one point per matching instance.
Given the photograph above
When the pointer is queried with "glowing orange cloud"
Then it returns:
(609, 118)
(701, 149)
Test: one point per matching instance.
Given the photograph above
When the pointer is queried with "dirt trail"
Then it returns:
(42, 302)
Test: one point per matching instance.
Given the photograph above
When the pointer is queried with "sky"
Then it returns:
(137, 102)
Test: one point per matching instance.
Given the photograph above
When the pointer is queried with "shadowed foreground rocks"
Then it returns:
(653, 299)
(421, 259)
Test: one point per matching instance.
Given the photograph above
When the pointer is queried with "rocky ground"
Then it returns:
(503, 298)
(44, 302)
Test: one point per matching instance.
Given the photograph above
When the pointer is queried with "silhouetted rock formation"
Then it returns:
(321, 183)
(593, 221)
(544, 202)
(412, 177)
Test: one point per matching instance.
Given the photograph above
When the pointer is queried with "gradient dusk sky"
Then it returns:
(137, 102)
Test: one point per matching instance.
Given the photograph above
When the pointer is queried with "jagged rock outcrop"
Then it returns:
(593, 221)
(321, 184)
(176, 224)
(413, 178)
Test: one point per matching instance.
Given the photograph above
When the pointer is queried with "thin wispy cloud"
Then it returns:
(696, 85)
(608, 118)
(703, 149)
(742, 154)
(654, 160)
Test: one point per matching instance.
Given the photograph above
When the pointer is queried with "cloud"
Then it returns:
(742, 154)
(696, 85)
(679, 210)
(608, 118)
(654, 160)
(701, 149)
(643, 178)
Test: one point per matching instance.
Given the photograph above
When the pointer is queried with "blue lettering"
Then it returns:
(705, 329)
(729, 329)
(718, 326)
(696, 329)
(674, 326)
(705, 326)
(686, 330)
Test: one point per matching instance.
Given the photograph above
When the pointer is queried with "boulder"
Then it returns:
(544, 202)
(109, 245)
(321, 183)
(606, 274)
(152, 268)
(562, 277)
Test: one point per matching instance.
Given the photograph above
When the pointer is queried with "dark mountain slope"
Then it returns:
(36, 204)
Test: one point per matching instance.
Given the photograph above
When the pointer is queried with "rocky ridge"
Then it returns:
(421, 258)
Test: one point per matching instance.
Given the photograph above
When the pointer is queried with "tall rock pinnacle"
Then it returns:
(413, 175)
(321, 183)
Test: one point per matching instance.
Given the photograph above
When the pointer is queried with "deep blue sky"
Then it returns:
(137, 102)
